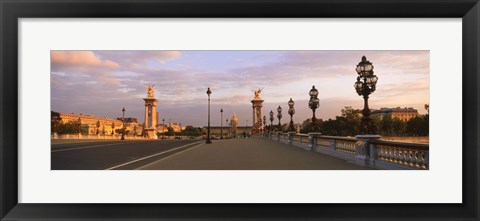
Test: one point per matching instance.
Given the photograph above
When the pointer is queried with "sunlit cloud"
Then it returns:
(79, 58)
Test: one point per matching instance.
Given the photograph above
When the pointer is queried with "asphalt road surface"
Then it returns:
(114, 155)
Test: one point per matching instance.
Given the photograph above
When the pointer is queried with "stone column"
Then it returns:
(146, 116)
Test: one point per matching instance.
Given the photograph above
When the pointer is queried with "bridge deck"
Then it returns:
(250, 154)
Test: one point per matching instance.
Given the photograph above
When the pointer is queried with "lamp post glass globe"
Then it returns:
(313, 92)
(279, 116)
(209, 92)
(291, 103)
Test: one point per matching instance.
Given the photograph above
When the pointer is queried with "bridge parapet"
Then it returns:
(374, 153)
(408, 155)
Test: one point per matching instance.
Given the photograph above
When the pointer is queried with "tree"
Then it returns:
(170, 131)
(308, 126)
(399, 126)
(352, 119)
(425, 126)
(348, 124)
(119, 131)
(192, 131)
(387, 124)
(71, 127)
(55, 121)
(414, 126)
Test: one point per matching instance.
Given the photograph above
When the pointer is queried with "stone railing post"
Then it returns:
(373, 150)
(290, 137)
(333, 144)
(313, 140)
(362, 149)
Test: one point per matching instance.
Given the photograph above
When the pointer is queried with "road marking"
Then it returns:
(143, 158)
(154, 162)
(87, 147)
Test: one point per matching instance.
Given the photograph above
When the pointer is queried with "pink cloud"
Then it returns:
(136, 59)
(80, 58)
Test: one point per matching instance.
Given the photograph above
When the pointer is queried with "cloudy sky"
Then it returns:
(103, 82)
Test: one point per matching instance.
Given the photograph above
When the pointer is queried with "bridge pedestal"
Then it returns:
(362, 156)
(290, 137)
(313, 141)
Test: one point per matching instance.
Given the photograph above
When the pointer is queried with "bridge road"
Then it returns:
(250, 154)
(113, 154)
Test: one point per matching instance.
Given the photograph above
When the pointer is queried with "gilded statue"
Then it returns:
(151, 91)
(257, 92)
(234, 121)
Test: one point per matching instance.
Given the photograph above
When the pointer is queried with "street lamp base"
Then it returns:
(208, 142)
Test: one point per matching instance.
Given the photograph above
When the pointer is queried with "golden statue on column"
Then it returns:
(257, 104)
(151, 91)
(151, 114)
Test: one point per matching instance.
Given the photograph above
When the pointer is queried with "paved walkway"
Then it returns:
(250, 154)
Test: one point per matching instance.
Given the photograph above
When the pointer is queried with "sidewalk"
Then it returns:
(250, 154)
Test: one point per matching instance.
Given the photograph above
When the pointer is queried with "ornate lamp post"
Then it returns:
(221, 123)
(271, 120)
(208, 129)
(314, 103)
(228, 130)
(264, 123)
(113, 128)
(365, 85)
(279, 116)
(123, 124)
(291, 112)
(98, 127)
(163, 128)
(79, 125)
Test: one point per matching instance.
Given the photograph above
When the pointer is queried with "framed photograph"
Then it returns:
(239, 110)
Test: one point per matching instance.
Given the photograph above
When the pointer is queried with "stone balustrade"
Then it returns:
(365, 151)
(409, 155)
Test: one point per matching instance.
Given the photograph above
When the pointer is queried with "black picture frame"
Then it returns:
(12, 10)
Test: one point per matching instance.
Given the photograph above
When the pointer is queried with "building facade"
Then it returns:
(90, 124)
(403, 114)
